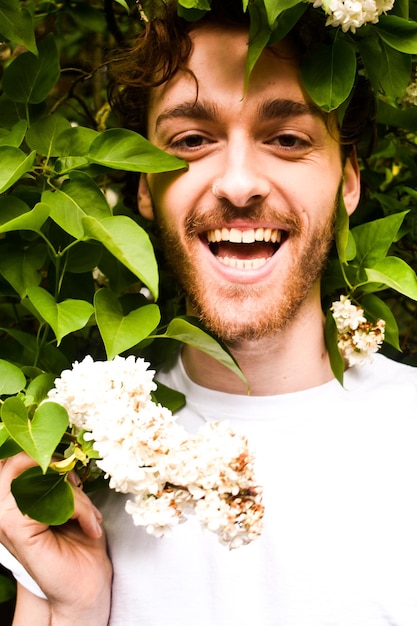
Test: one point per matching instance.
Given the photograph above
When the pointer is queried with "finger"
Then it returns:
(12, 467)
(87, 515)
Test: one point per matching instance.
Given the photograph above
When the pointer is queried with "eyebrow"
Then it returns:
(281, 107)
(196, 110)
(267, 111)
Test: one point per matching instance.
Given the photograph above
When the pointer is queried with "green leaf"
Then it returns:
(16, 135)
(129, 243)
(388, 69)
(43, 133)
(16, 24)
(123, 149)
(329, 72)
(401, 118)
(7, 589)
(8, 447)
(12, 379)
(124, 4)
(49, 357)
(38, 436)
(398, 33)
(47, 498)
(394, 273)
(20, 267)
(342, 230)
(79, 196)
(190, 15)
(259, 34)
(38, 388)
(169, 398)
(374, 309)
(331, 336)
(75, 141)
(188, 330)
(286, 21)
(16, 215)
(274, 8)
(63, 317)
(374, 239)
(202, 5)
(120, 332)
(14, 163)
(29, 78)
(83, 257)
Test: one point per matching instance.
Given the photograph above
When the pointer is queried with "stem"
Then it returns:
(40, 341)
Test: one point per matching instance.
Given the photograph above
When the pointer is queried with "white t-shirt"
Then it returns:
(339, 545)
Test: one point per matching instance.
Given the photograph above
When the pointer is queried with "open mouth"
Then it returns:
(245, 249)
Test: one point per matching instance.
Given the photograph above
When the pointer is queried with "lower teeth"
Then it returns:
(242, 264)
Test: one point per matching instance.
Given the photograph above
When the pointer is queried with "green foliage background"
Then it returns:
(77, 265)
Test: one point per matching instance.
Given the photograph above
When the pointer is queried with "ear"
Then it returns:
(144, 199)
(351, 183)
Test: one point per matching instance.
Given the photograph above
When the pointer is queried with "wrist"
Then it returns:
(91, 611)
(97, 615)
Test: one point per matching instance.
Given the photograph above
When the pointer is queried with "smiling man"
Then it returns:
(247, 230)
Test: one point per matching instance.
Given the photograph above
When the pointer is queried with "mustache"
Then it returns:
(224, 213)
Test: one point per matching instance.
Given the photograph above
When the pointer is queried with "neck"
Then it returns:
(290, 360)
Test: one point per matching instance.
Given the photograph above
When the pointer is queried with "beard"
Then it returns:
(237, 312)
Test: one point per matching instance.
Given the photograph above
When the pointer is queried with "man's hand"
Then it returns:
(69, 562)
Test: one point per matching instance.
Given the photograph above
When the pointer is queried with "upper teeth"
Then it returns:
(249, 235)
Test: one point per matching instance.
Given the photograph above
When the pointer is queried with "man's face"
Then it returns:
(248, 226)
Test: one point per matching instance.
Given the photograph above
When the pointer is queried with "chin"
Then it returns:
(245, 322)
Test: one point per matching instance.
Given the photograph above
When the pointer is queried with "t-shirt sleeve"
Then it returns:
(19, 572)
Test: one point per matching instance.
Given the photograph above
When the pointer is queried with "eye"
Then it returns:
(291, 142)
(190, 143)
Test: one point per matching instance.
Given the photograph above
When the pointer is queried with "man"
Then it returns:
(247, 229)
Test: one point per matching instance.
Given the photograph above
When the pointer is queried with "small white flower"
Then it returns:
(352, 14)
(358, 339)
(145, 453)
(410, 96)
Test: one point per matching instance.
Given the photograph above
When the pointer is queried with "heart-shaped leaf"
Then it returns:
(120, 332)
(12, 379)
(63, 317)
(47, 498)
(38, 436)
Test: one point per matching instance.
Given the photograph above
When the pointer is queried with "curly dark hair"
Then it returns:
(163, 46)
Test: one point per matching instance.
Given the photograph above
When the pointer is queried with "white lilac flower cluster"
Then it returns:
(410, 96)
(146, 453)
(358, 339)
(352, 14)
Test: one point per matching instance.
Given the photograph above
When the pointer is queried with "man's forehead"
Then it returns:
(217, 65)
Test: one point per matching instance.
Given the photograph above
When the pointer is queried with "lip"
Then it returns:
(250, 263)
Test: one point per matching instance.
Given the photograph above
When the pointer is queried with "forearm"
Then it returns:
(31, 609)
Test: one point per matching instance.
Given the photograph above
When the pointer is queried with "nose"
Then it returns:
(242, 181)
